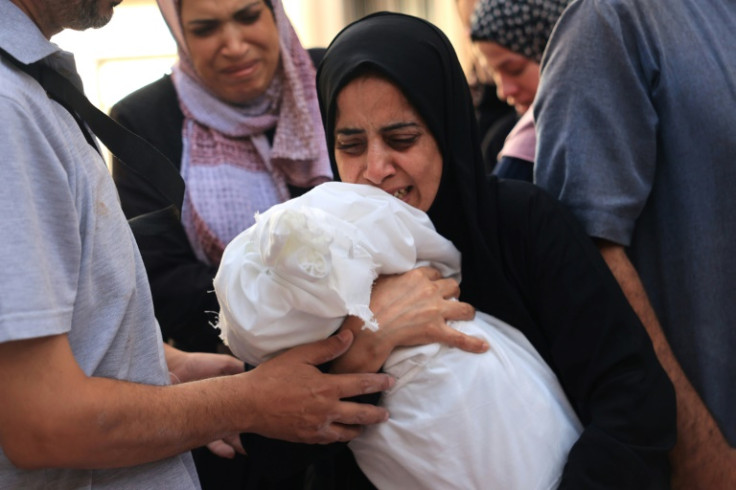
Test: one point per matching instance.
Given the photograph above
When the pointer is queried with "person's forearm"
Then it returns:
(130, 424)
(628, 278)
(53, 415)
(700, 443)
(88, 422)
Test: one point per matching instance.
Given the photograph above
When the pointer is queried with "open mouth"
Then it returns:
(401, 193)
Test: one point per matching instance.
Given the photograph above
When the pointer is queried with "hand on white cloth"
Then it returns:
(414, 308)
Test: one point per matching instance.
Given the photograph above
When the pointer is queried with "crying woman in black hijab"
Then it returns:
(398, 116)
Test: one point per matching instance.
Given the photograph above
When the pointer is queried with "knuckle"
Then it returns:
(434, 311)
(428, 289)
(361, 418)
(367, 385)
(415, 277)
(321, 390)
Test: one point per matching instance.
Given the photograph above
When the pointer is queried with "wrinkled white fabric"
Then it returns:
(305, 264)
(458, 420)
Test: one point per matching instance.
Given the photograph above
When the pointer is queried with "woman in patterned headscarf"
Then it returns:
(239, 117)
(511, 36)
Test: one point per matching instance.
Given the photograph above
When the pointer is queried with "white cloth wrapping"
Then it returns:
(458, 420)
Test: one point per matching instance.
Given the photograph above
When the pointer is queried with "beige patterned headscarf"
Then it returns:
(230, 169)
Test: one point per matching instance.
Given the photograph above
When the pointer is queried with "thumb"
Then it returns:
(221, 449)
(326, 350)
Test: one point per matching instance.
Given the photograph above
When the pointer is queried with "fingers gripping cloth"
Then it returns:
(305, 264)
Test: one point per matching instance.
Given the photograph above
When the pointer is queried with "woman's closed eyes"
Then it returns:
(353, 141)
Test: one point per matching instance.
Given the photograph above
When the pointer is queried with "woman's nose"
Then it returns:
(505, 88)
(232, 42)
(378, 166)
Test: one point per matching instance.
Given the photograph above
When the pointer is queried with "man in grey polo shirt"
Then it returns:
(85, 399)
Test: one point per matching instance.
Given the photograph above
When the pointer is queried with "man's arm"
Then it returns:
(701, 458)
(193, 366)
(53, 415)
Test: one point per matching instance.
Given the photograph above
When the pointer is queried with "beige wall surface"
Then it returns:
(135, 48)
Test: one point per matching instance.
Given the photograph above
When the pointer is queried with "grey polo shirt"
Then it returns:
(70, 264)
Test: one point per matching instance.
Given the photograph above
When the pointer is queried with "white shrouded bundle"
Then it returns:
(458, 420)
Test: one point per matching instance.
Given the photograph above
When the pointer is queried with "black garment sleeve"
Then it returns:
(595, 343)
(181, 285)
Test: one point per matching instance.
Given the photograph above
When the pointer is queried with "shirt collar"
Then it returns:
(20, 37)
(23, 40)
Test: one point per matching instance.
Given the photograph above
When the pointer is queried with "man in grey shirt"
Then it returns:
(636, 130)
(86, 399)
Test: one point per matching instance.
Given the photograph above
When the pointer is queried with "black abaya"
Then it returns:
(525, 260)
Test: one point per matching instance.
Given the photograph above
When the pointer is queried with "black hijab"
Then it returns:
(419, 59)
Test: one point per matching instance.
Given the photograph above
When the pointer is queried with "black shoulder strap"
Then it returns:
(135, 153)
